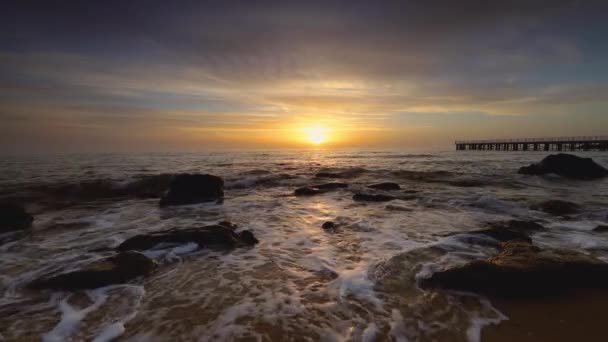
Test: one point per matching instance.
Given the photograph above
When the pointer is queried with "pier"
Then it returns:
(593, 143)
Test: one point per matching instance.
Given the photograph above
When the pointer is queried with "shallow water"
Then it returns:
(301, 282)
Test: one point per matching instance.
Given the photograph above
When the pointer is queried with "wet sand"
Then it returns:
(577, 316)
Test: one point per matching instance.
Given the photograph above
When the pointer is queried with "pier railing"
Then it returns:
(580, 143)
(535, 140)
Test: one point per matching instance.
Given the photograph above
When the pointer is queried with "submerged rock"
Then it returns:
(117, 269)
(342, 174)
(306, 191)
(521, 270)
(557, 207)
(331, 186)
(566, 165)
(319, 189)
(219, 236)
(14, 217)
(328, 225)
(385, 186)
(361, 197)
(601, 229)
(193, 188)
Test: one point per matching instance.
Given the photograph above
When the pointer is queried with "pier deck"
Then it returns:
(593, 143)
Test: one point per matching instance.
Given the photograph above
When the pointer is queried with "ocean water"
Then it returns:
(300, 283)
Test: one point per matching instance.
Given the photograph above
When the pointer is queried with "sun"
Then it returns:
(315, 135)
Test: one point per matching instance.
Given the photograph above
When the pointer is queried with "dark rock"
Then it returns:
(220, 236)
(193, 188)
(385, 186)
(319, 189)
(557, 207)
(117, 269)
(307, 191)
(523, 270)
(513, 230)
(247, 238)
(566, 165)
(342, 174)
(466, 183)
(331, 186)
(601, 229)
(328, 225)
(14, 217)
(360, 197)
(147, 186)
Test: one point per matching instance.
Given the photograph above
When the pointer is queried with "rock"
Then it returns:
(219, 236)
(14, 217)
(566, 165)
(148, 186)
(319, 189)
(601, 229)
(512, 230)
(331, 186)
(328, 225)
(557, 207)
(466, 183)
(342, 174)
(193, 188)
(361, 197)
(523, 270)
(307, 191)
(385, 186)
(117, 269)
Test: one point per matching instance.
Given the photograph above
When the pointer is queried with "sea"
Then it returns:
(357, 282)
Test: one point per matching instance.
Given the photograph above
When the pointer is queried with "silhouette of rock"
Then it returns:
(557, 207)
(117, 269)
(331, 186)
(601, 229)
(361, 197)
(513, 230)
(14, 217)
(328, 225)
(566, 165)
(522, 270)
(385, 186)
(306, 191)
(217, 236)
(342, 174)
(193, 188)
(319, 189)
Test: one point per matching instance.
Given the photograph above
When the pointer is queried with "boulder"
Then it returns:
(14, 217)
(513, 230)
(566, 165)
(216, 236)
(385, 186)
(522, 270)
(117, 269)
(557, 207)
(193, 188)
(361, 197)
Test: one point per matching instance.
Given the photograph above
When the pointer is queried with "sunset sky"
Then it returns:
(176, 75)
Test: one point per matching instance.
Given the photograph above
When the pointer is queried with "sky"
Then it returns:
(122, 76)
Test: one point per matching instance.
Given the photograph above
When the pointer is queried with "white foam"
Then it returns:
(369, 334)
(356, 283)
(71, 317)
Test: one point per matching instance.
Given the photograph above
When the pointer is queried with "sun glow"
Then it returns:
(315, 135)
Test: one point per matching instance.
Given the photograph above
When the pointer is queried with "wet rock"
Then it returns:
(601, 229)
(566, 165)
(14, 217)
(385, 186)
(557, 207)
(319, 189)
(307, 191)
(466, 183)
(217, 236)
(361, 197)
(117, 269)
(193, 188)
(331, 186)
(522, 270)
(513, 230)
(328, 225)
(147, 186)
(342, 174)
